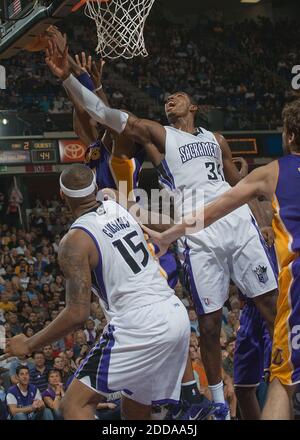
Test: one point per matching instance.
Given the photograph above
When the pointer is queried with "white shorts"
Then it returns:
(142, 353)
(231, 248)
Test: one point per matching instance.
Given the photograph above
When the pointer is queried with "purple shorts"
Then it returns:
(252, 355)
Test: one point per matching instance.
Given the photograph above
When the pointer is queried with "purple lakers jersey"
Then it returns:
(286, 203)
(99, 159)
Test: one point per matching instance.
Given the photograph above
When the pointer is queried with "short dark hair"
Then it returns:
(53, 370)
(291, 120)
(21, 367)
(38, 352)
(77, 176)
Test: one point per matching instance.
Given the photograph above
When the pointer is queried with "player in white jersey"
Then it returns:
(188, 159)
(144, 348)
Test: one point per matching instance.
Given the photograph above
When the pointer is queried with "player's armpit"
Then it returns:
(231, 173)
(146, 132)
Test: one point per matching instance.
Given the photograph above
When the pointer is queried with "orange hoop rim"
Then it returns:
(81, 3)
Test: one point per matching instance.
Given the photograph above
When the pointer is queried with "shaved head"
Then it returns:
(77, 176)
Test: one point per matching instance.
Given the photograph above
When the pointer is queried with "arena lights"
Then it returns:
(4, 121)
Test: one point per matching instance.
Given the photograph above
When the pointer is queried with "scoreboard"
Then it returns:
(51, 151)
(18, 152)
(41, 151)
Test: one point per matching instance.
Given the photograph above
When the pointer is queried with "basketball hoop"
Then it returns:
(120, 26)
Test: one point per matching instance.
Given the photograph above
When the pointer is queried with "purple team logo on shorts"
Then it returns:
(261, 273)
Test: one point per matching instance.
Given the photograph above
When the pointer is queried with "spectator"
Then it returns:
(90, 332)
(70, 355)
(21, 361)
(28, 331)
(49, 358)
(60, 365)
(232, 325)
(56, 242)
(194, 320)
(228, 361)
(5, 304)
(80, 346)
(199, 371)
(24, 309)
(39, 374)
(12, 320)
(34, 324)
(54, 393)
(3, 410)
(24, 400)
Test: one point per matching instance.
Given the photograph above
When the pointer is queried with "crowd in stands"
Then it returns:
(32, 294)
(243, 69)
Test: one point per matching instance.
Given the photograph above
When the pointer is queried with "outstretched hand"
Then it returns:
(97, 72)
(84, 63)
(93, 68)
(57, 63)
(58, 38)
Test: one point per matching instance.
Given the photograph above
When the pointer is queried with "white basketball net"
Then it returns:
(120, 26)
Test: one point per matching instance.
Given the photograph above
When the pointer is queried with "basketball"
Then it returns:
(37, 44)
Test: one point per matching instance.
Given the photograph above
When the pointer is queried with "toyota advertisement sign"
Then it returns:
(71, 151)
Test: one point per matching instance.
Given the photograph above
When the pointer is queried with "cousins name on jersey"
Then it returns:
(199, 149)
(115, 226)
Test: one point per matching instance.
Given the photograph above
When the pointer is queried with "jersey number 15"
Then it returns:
(136, 248)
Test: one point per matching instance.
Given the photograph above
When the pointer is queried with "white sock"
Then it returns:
(217, 392)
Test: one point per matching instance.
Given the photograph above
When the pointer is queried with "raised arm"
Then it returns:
(261, 182)
(147, 133)
(75, 254)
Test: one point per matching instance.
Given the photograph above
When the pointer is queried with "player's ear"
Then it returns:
(291, 139)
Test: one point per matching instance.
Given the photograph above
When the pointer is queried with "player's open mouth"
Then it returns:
(171, 105)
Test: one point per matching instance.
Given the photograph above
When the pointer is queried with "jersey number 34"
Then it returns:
(214, 172)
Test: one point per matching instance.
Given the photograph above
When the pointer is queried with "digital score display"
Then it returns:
(43, 156)
(14, 157)
(35, 151)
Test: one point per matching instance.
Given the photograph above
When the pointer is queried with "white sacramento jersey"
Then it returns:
(126, 277)
(192, 162)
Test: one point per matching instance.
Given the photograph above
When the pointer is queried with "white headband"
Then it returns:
(77, 193)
